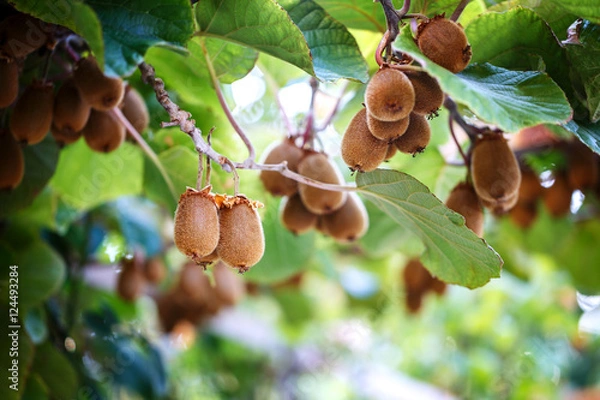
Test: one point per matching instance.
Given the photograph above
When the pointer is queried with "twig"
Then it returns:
(200, 168)
(470, 130)
(458, 10)
(460, 150)
(309, 129)
(208, 167)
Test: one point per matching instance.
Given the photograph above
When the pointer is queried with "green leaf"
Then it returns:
(259, 24)
(588, 133)
(578, 253)
(356, 14)
(508, 99)
(587, 9)
(453, 252)
(285, 253)
(524, 39)
(56, 371)
(85, 178)
(36, 389)
(131, 27)
(73, 14)
(41, 273)
(24, 358)
(447, 7)
(40, 163)
(334, 50)
(584, 62)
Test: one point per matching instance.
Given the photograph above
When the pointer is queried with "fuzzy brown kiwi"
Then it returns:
(319, 167)
(415, 276)
(437, 286)
(582, 171)
(229, 287)
(524, 214)
(9, 82)
(501, 207)
(273, 181)
(294, 216)
(208, 259)
(386, 131)
(241, 241)
(429, 96)
(70, 112)
(155, 270)
(12, 167)
(495, 170)
(194, 283)
(32, 115)
(417, 135)
(101, 92)
(464, 201)
(21, 35)
(389, 95)
(531, 188)
(362, 151)
(444, 42)
(349, 223)
(103, 132)
(557, 198)
(131, 281)
(135, 109)
(196, 230)
(64, 138)
(391, 151)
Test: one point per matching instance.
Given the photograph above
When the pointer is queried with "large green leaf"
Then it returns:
(56, 371)
(517, 39)
(587, 132)
(285, 253)
(334, 50)
(453, 252)
(584, 61)
(24, 358)
(40, 163)
(587, 9)
(73, 14)
(131, 27)
(259, 24)
(509, 99)
(85, 178)
(432, 8)
(579, 254)
(356, 14)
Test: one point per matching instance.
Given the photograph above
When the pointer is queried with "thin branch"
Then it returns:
(458, 11)
(471, 131)
(460, 150)
(404, 10)
(309, 129)
(200, 168)
(208, 167)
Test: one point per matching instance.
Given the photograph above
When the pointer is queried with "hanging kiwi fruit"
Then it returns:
(294, 216)
(71, 112)
(101, 92)
(31, 117)
(273, 181)
(389, 95)
(12, 167)
(347, 224)
(465, 201)
(444, 42)
(135, 110)
(319, 167)
(417, 135)
(362, 151)
(9, 82)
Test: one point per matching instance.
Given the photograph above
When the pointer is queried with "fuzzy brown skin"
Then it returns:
(9, 82)
(417, 135)
(391, 151)
(464, 201)
(229, 287)
(444, 42)
(98, 90)
(274, 182)
(135, 109)
(524, 214)
(429, 96)
(194, 282)
(64, 138)
(31, 118)
(349, 223)
(501, 207)
(295, 217)
(495, 170)
(242, 241)
(389, 95)
(103, 132)
(131, 282)
(557, 198)
(21, 35)
(12, 167)
(317, 166)
(386, 131)
(582, 172)
(196, 230)
(71, 112)
(155, 270)
(362, 151)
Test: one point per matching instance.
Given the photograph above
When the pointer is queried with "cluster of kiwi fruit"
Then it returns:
(399, 99)
(78, 104)
(338, 214)
(210, 227)
(137, 272)
(417, 282)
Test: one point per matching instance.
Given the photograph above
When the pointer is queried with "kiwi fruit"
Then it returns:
(417, 135)
(501, 207)
(21, 35)
(386, 131)
(242, 241)
(524, 214)
(361, 151)
(294, 216)
(557, 198)
(349, 223)
(155, 270)
(70, 112)
(208, 259)
(12, 167)
(196, 230)
(319, 167)
(195, 284)
(9, 82)
(429, 96)
(414, 301)
(103, 132)
(135, 109)
(31, 118)
(582, 172)
(229, 288)
(98, 90)
(464, 201)
(64, 138)
(389, 95)
(273, 181)
(437, 286)
(495, 171)
(391, 151)
(415, 276)
(131, 282)
(531, 188)
(444, 42)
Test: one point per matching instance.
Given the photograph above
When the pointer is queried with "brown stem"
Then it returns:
(208, 167)
(460, 150)
(200, 168)
(309, 129)
(458, 10)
